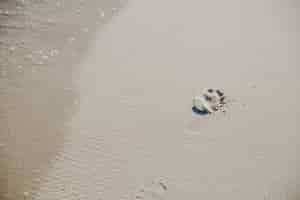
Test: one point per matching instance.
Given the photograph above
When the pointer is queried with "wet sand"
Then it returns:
(41, 44)
(110, 116)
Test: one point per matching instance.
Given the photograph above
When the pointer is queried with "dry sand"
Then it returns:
(113, 120)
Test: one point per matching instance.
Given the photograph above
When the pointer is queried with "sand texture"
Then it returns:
(96, 100)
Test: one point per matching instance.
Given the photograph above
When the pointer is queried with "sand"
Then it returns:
(110, 117)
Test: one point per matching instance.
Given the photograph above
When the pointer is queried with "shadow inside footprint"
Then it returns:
(156, 190)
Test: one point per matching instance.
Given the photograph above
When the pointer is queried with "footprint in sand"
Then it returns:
(210, 101)
(156, 190)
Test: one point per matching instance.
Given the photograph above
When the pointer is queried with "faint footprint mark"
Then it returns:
(156, 190)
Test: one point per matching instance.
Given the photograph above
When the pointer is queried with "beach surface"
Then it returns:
(96, 100)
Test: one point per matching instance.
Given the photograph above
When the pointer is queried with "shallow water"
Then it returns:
(110, 114)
